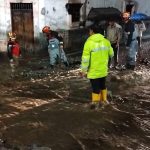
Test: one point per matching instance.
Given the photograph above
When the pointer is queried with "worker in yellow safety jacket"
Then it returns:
(94, 65)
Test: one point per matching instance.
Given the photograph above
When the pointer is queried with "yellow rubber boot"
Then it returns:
(95, 97)
(100, 96)
(104, 96)
(101, 99)
(95, 101)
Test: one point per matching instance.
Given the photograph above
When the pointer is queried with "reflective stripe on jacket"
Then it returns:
(95, 57)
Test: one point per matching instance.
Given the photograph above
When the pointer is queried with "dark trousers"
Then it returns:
(115, 48)
(9, 53)
(139, 39)
(98, 84)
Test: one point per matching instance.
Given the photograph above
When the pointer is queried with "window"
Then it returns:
(74, 10)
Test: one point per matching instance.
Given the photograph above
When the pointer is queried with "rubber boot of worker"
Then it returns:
(104, 97)
(100, 98)
(95, 101)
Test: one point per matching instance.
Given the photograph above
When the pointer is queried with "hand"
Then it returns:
(127, 33)
(82, 74)
(117, 45)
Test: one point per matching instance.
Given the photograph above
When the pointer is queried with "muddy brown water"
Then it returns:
(52, 110)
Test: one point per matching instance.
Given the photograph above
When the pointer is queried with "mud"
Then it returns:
(42, 108)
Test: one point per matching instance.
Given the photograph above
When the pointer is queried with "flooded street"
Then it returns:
(45, 98)
(44, 108)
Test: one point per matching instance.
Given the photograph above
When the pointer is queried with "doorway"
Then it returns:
(22, 24)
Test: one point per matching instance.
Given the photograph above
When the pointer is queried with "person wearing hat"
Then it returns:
(11, 35)
(55, 47)
(13, 49)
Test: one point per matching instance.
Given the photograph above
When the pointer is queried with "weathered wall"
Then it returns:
(54, 14)
(5, 19)
(45, 12)
(2, 25)
(144, 6)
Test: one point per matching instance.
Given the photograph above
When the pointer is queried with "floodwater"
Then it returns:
(44, 108)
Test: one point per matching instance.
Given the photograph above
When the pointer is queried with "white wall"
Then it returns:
(56, 15)
(5, 19)
(5, 24)
(144, 6)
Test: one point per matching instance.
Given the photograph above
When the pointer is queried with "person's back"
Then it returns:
(99, 49)
(94, 65)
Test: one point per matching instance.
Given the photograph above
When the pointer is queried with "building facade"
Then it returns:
(28, 17)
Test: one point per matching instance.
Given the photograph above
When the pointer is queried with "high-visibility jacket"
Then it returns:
(96, 53)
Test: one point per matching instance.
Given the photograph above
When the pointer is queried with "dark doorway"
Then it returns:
(22, 23)
(129, 8)
(74, 10)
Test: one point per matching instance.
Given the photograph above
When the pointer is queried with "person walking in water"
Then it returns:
(55, 48)
(94, 65)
